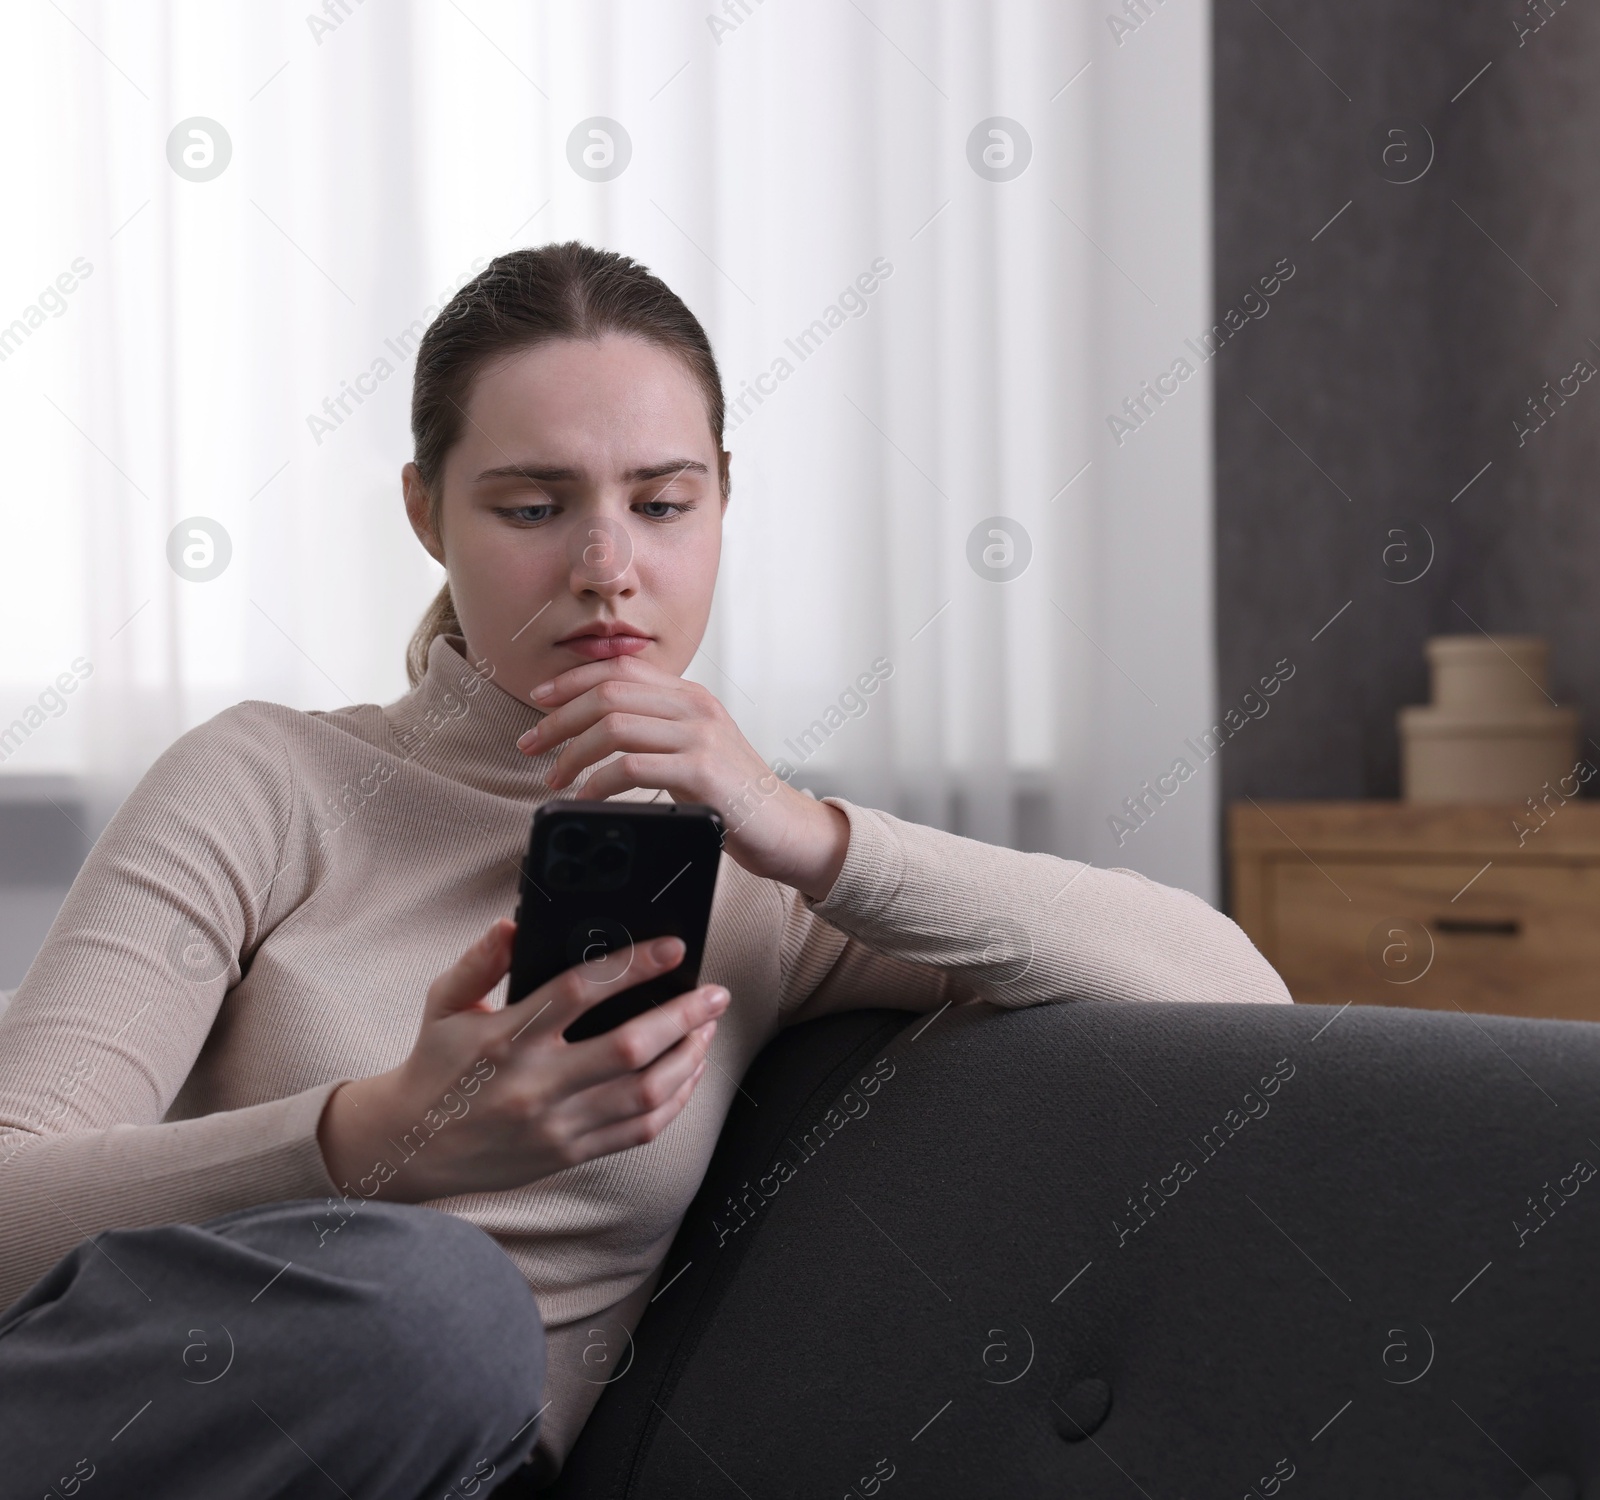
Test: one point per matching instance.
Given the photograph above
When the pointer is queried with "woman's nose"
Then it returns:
(600, 557)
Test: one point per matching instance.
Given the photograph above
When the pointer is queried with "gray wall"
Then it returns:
(45, 833)
(1397, 357)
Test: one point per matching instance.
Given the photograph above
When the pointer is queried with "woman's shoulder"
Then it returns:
(259, 729)
(258, 758)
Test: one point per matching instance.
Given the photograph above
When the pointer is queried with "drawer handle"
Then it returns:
(1508, 927)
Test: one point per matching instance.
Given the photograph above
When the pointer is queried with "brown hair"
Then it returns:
(520, 300)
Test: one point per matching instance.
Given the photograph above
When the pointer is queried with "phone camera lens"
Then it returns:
(570, 838)
(566, 872)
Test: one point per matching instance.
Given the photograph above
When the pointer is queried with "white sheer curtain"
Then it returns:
(935, 339)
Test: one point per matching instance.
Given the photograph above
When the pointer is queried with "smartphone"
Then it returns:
(602, 877)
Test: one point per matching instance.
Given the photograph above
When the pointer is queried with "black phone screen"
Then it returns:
(600, 878)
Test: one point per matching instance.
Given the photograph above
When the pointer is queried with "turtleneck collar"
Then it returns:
(458, 722)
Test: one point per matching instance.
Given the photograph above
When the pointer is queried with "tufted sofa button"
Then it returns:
(1081, 1408)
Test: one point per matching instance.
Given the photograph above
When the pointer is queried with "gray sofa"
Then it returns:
(1097, 1249)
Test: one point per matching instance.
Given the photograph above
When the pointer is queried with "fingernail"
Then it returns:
(719, 1000)
(544, 690)
(528, 738)
(662, 948)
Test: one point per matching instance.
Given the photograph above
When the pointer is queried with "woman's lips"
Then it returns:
(602, 647)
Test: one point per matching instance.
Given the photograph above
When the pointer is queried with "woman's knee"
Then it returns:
(423, 1315)
(403, 1347)
(432, 1286)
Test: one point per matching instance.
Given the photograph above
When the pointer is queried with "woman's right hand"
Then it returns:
(493, 1099)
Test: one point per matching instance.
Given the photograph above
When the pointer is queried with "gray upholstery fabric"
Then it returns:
(1375, 1272)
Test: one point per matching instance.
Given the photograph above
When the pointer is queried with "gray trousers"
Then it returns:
(386, 1353)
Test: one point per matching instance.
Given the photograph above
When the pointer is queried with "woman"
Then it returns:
(227, 1080)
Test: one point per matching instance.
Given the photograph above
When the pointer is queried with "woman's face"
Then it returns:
(582, 511)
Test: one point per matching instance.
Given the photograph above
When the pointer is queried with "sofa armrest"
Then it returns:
(1059, 1249)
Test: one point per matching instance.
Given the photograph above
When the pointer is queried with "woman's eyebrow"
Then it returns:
(538, 473)
(668, 470)
(543, 474)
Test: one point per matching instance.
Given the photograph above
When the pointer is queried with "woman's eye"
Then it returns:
(661, 510)
(529, 513)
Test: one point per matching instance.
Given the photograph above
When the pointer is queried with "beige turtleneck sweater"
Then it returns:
(262, 918)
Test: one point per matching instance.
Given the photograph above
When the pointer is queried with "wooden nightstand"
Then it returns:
(1437, 905)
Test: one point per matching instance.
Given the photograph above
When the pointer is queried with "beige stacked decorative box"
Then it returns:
(1492, 732)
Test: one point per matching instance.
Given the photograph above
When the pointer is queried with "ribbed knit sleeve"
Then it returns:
(165, 913)
(919, 916)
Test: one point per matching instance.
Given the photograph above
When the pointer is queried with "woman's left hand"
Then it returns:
(675, 736)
